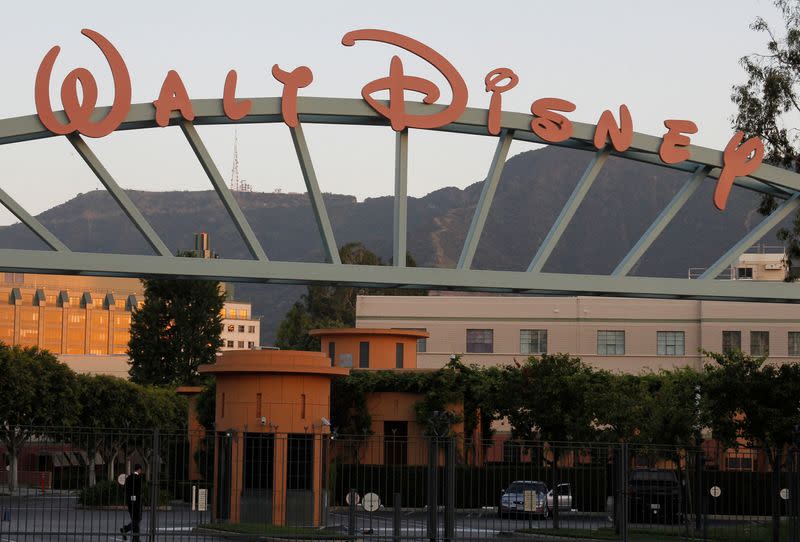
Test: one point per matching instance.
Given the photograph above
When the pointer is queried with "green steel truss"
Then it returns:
(705, 164)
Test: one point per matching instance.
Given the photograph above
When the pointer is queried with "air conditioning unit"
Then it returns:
(773, 266)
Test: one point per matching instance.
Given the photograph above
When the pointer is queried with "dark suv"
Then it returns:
(653, 496)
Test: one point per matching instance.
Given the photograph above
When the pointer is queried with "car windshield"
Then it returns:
(519, 487)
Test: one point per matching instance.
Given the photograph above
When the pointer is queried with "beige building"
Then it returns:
(619, 334)
(239, 329)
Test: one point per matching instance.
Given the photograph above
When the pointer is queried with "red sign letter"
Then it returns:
(737, 163)
(549, 125)
(234, 109)
(79, 113)
(397, 83)
(293, 80)
(173, 96)
(493, 85)
(621, 136)
(671, 151)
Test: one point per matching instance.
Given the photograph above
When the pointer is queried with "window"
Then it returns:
(794, 343)
(240, 344)
(332, 352)
(243, 314)
(422, 345)
(731, 341)
(241, 329)
(251, 344)
(231, 327)
(532, 341)
(744, 273)
(259, 457)
(670, 343)
(363, 354)
(398, 355)
(230, 344)
(759, 343)
(480, 341)
(251, 329)
(512, 452)
(740, 463)
(395, 443)
(611, 343)
(300, 462)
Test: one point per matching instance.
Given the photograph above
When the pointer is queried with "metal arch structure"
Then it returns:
(704, 163)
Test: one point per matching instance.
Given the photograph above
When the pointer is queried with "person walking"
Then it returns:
(133, 500)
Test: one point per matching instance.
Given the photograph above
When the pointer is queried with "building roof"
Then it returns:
(415, 333)
(274, 361)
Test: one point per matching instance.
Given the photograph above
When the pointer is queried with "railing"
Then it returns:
(255, 485)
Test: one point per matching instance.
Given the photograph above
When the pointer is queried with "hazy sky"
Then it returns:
(674, 59)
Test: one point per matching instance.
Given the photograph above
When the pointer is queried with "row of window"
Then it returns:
(232, 328)
(346, 360)
(240, 344)
(612, 342)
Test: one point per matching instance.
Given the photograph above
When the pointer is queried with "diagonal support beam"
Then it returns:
(35, 226)
(785, 209)
(224, 193)
(400, 198)
(485, 201)
(118, 194)
(317, 203)
(568, 211)
(666, 216)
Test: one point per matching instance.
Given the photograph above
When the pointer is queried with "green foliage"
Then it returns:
(175, 331)
(37, 393)
(768, 102)
(206, 405)
(331, 306)
(111, 493)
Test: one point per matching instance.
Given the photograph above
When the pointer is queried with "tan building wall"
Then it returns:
(572, 325)
(239, 329)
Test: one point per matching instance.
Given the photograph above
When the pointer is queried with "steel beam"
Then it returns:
(224, 193)
(35, 226)
(485, 201)
(666, 216)
(785, 209)
(568, 211)
(400, 198)
(314, 194)
(119, 195)
(147, 266)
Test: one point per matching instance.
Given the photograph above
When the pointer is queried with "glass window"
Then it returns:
(480, 341)
(332, 352)
(300, 462)
(731, 341)
(251, 329)
(759, 343)
(670, 343)
(240, 344)
(243, 314)
(611, 343)
(744, 273)
(230, 344)
(231, 327)
(363, 354)
(532, 341)
(398, 355)
(241, 329)
(422, 345)
(794, 343)
(251, 344)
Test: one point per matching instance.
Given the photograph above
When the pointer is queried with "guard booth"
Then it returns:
(271, 419)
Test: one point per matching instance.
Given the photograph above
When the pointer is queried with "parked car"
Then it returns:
(512, 499)
(565, 500)
(654, 496)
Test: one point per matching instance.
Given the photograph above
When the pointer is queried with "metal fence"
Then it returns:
(252, 486)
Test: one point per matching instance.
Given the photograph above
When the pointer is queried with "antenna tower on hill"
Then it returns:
(235, 182)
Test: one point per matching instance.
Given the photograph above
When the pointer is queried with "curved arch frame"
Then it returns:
(704, 163)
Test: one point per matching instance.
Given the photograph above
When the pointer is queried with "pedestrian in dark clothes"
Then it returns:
(133, 500)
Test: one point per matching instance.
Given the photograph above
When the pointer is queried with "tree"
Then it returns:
(175, 331)
(37, 394)
(330, 306)
(768, 100)
(747, 398)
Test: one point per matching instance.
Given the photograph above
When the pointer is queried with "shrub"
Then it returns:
(110, 493)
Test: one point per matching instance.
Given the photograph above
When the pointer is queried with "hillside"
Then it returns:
(624, 200)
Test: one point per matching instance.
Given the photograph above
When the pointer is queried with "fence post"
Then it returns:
(396, 517)
(450, 489)
(433, 488)
(154, 482)
(622, 484)
(554, 470)
(794, 495)
(351, 523)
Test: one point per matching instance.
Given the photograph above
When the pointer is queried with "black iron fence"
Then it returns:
(58, 484)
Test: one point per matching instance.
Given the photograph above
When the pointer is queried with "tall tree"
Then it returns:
(768, 103)
(175, 331)
(331, 306)
(759, 402)
(37, 393)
